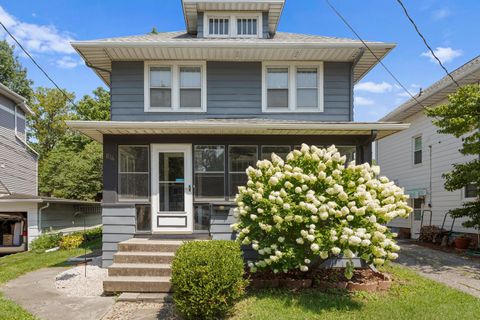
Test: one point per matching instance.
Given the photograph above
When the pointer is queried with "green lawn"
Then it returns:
(15, 265)
(411, 297)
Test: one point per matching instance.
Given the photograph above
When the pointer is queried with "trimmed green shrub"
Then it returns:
(207, 277)
(91, 234)
(45, 241)
(71, 241)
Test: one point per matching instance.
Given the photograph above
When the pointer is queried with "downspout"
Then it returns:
(40, 216)
(430, 191)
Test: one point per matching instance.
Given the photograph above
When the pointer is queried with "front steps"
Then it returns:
(142, 266)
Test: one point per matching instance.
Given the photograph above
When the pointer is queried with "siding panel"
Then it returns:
(118, 225)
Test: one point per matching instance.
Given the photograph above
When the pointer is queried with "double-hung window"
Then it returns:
(292, 87)
(471, 190)
(417, 150)
(175, 86)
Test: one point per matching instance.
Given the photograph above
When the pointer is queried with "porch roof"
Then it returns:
(96, 129)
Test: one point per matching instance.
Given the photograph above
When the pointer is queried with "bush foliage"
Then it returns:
(312, 207)
(51, 240)
(45, 241)
(207, 277)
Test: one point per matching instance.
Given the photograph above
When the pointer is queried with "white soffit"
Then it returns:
(191, 8)
(96, 129)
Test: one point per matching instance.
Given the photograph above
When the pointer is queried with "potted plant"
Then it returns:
(462, 242)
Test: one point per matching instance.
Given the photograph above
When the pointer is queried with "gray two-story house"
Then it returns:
(192, 110)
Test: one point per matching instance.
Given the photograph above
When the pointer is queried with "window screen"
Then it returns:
(133, 173)
(307, 88)
(240, 158)
(209, 171)
(161, 87)
(277, 88)
(190, 87)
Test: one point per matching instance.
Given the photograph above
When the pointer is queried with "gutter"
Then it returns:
(40, 216)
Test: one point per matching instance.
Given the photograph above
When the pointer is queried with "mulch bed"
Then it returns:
(322, 279)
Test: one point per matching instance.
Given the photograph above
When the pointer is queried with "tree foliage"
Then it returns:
(12, 74)
(460, 117)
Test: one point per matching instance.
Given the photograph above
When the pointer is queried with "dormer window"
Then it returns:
(232, 25)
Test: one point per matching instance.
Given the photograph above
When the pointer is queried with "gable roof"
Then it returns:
(20, 101)
(467, 74)
(191, 8)
(99, 54)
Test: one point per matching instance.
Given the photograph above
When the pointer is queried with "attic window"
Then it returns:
(218, 26)
(246, 26)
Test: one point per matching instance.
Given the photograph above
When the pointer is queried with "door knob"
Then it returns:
(189, 188)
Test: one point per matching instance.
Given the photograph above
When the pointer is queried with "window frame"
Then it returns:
(413, 150)
(292, 86)
(139, 201)
(232, 24)
(175, 85)
(225, 173)
(230, 172)
(273, 146)
(465, 192)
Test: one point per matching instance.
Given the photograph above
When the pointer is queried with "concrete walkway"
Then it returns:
(448, 268)
(36, 293)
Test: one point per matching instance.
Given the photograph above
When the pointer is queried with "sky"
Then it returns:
(45, 28)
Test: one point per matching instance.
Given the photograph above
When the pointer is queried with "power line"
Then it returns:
(371, 51)
(38, 66)
(426, 43)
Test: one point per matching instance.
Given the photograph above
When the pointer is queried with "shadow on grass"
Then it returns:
(311, 300)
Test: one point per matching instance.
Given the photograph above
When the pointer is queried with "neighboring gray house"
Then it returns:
(192, 110)
(23, 214)
(417, 157)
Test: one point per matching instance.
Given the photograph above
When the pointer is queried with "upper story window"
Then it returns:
(233, 25)
(175, 86)
(292, 87)
(417, 150)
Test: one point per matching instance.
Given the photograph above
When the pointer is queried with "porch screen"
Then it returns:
(240, 158)
(209, 172)
(281, 151)
(133, 173)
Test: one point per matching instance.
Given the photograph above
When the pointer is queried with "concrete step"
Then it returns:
(149, 245)
(140, 270)
(137, 284)
(145, 297)
(143, 257)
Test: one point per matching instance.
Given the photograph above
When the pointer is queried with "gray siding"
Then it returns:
(18, 165)
(118, 225)
(60, 216)
(233, 91)
(200, 25)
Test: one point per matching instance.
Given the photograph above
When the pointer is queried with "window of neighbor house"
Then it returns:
(209, 171)
(417, 150)
(277, 88)
(133, 173)
(471, 190)
(239, 159)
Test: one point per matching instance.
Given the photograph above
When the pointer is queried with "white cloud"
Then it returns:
(441, 13)
(374, 87)
(444, 54)
(36, 38)
(361, 101)
(67, 62)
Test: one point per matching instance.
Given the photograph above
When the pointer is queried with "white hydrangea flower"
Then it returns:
(336, 250)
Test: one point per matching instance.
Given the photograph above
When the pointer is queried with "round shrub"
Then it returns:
(71, 241)
(312, 207)
(45, 241)
(207, 277)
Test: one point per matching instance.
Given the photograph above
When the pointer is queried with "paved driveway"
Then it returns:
(36, 293)
(450, 269)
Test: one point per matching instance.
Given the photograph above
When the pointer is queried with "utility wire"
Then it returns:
(38, 66)
(425, 42)
(371, 51)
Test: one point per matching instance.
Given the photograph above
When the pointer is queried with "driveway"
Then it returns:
(36, 293)
(448, 268)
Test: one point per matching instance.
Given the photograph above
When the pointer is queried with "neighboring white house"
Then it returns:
(417, 158)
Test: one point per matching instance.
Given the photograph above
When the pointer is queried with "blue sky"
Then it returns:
(45, 27)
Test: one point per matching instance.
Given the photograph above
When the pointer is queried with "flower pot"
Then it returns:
(369, 287)
(295, 283)
(462, 243)
(263, 283)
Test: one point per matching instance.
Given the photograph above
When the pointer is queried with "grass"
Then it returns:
(15, 265)
(411, 297)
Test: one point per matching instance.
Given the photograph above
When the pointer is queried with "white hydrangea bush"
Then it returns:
(313, 206)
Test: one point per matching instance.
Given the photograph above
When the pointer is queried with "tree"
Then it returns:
(47, 125)
(460, 117)
(96, 107)
(12, 74)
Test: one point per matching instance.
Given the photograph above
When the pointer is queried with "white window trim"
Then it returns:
(413, 151)
(292, 86)
(232, 24)
(175, 85)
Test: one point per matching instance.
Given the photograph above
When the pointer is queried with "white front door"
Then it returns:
(172, 200)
